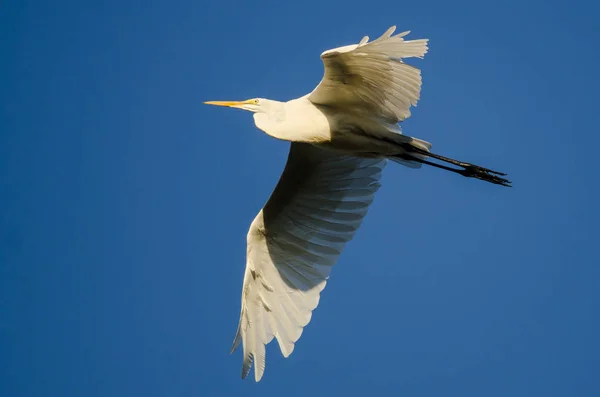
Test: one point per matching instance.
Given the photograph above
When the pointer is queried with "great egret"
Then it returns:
(342, 135)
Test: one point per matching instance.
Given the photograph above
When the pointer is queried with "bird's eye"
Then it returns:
(256, 101)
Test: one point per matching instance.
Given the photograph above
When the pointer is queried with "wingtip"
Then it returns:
(236, 343)
(247, 365)
(258, 374)
(390, 31)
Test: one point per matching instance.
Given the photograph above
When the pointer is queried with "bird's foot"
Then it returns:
(487, 170)
(485, 174)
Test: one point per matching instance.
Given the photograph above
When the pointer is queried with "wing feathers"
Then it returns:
(293, 243)
(372, 77)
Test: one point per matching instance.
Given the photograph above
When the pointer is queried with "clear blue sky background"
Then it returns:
(125, 202)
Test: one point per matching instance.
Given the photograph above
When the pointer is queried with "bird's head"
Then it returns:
(254, 105)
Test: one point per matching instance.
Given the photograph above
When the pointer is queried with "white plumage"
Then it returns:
(294, 241)
(371, 77)
(342, 134)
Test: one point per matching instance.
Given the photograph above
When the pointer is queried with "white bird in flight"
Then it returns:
(341, 135)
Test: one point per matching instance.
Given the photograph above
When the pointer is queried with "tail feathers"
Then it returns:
(417, 143)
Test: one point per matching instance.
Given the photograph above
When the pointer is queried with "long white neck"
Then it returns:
(297, 120)
(271, 119)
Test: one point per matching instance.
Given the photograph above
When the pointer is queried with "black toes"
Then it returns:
(473, 171)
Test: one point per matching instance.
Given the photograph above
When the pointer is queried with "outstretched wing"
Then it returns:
(317, 206)
(371, 77)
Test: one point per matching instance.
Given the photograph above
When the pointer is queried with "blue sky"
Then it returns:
(125, 202)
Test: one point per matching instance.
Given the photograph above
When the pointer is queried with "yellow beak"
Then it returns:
(226, 103)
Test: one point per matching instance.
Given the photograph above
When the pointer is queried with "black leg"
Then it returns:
(413, 149)
(469, 170)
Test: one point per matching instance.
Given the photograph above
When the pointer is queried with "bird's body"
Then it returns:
(300, 120)
(342, 135)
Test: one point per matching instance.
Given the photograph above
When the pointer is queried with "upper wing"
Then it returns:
(372, 77)
(293, 242)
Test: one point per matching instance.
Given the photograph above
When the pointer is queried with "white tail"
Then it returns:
(416, 142)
